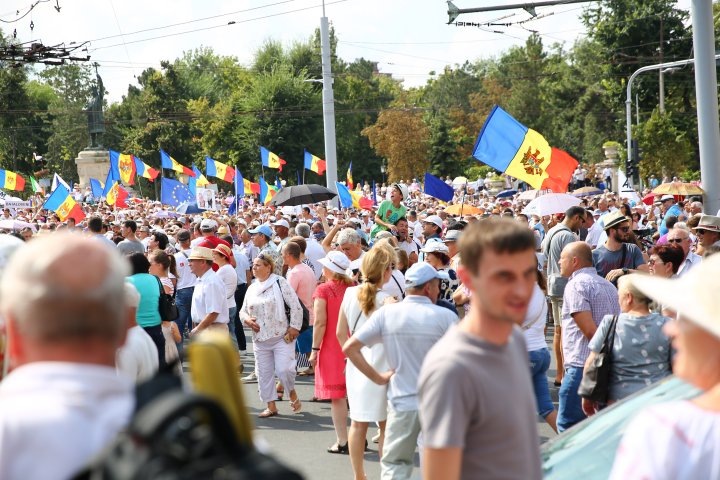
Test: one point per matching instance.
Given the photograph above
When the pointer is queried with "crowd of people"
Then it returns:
(426, 329)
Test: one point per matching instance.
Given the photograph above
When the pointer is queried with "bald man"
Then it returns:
(587, 299)
(63, 303)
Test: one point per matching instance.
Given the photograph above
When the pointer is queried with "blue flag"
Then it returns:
(109, 182)
(438, 189)
(277, 183)
(97, 188)
(174, 193)
(346, 200)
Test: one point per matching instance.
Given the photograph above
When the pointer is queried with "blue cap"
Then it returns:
(421, 273)
(264, 229)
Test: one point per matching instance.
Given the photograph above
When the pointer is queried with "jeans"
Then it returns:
(570, 410)
(232, 312)
(539, 364)
(183, 300)
(158, 339)
(239, 332)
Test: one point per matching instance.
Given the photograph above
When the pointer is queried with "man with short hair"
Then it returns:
(617, 256)
(587, 299)
(247, 247)
(209, 308)
(64, 401)
(95, 225)
(131, 244)
(557, 238)
(407, 243)
(407, 330)
(477, 406)
(681, 237)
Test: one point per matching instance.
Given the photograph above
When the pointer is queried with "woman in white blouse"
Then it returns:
(263, 311)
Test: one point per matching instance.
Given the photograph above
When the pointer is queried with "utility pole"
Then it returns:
(328, 106)
(662, 78)
(707, 101)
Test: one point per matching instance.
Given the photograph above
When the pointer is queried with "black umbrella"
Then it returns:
(302, 194)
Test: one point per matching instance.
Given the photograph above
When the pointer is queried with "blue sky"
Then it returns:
(409, 38)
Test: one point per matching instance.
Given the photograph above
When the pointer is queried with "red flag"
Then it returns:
(559, 170)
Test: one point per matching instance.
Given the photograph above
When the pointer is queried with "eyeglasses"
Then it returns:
(652, 262)
(676, 240)
(624, 229)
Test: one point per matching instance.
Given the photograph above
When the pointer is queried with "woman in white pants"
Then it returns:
(273, 335)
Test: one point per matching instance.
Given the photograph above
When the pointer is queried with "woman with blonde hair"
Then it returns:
(327, 357)
(367, 399)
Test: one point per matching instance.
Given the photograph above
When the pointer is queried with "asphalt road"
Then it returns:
(300, 440)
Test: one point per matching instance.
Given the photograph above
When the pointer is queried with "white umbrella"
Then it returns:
(528, 195)
(550, 204)
(12, 224)
(459, 182)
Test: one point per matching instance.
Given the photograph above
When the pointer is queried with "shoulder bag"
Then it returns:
(166, 304)
(595, 384)
(305, 311)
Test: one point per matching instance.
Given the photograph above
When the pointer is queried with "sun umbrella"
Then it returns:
(166, 214)
(550, 204)
(587, 191)
(302, 194)
(188, 207)
(459, 181)
(12, 224)
(528, 195)
(506, 193)
(462, 209)
(678, 188)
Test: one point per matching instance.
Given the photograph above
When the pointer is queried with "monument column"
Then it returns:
(94, 161)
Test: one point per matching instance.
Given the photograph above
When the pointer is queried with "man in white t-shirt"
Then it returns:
(185, 282)
(64, 401)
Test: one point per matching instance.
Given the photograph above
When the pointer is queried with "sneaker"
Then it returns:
(249, 378)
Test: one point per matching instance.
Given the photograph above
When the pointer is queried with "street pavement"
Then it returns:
(300, 440)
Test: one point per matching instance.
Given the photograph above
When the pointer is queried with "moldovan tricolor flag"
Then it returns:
(510, 147)
(213, 168)
(266, 191)
(142, 169)
(116, 196)
(172, 164)
(11, 181)
(62, 203)
(123, 167)
(314, 164)
(270, 159)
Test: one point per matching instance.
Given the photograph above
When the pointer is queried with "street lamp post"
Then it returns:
(628, 99)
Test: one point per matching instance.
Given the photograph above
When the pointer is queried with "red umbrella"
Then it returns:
(649, 199)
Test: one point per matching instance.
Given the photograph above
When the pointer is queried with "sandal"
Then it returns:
(307, 372)
(267, 413)
(296, 405)
(337, 448)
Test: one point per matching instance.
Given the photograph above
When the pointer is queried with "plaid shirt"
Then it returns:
(586, 291)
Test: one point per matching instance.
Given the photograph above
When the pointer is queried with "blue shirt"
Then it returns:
(673, 211)
(148, 312)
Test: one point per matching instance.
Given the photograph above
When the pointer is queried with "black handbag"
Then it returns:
(305, 312)
(166, 304)
(595, 384)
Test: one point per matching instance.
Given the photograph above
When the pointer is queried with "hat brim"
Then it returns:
(331, 266)
(709, 228)
(195, 257)
(692, 296)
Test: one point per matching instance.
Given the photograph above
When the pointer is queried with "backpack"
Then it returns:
(177, 435)
(305, 312)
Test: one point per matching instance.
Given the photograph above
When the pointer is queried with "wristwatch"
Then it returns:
(625, 271)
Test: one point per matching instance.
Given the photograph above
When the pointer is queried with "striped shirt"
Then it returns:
(586, 291)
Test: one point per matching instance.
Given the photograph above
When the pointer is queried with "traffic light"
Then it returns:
(633, 163)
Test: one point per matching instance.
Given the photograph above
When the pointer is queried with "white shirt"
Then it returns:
(55, 416)
(138, 359)
(395, 287)
(692, 260)
(314, 252)
(209, 297)
(229, 278)
(242, 266)
(186, 278)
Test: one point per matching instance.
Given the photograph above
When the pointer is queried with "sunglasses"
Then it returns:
(624, 229)
(677, 240)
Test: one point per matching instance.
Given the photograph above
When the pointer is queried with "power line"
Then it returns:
(220, 26)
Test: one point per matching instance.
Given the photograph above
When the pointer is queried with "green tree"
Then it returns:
(665, 149)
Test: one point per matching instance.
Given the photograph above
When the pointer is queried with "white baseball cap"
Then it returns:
(282, 223)
(421, 273)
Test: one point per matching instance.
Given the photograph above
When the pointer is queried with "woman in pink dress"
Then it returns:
(327, 357)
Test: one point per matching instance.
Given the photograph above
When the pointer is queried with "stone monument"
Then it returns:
(94, 161)
(612, 160)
